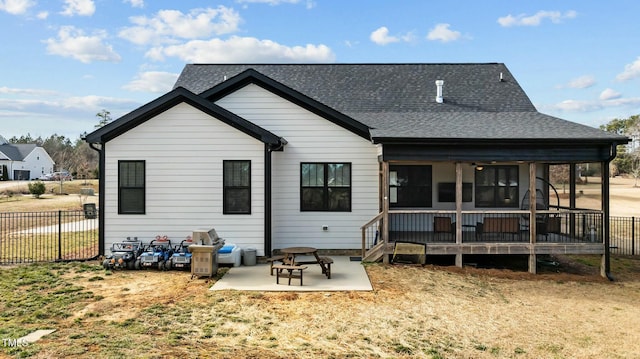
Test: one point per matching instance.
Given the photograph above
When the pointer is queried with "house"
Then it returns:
(24, 161)
(351, 157)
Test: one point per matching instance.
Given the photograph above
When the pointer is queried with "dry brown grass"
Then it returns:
(17, 198)
(413, 312)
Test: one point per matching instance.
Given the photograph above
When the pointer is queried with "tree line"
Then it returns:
(75, 156)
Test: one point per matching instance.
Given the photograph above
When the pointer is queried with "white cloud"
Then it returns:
(42, 15)
(169, 25)
(93, 102)
(577, 106)
(270, 2)
(79, 7)
(631, 71)
(61, 104)
(242, 49)
(607, 99)
(535, 20)
(152, 81)
(350, 44)
(310, 4)
(73, 43)
(30, 92)
(135, 3)
(44, 112)
(581, 82)
(16, 7)
(441, 32)
(381, 36)
(610, 94)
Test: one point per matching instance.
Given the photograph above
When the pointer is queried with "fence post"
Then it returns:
(633, 236)
(59, 235)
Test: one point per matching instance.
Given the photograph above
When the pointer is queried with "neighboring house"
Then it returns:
(350, 157)
(24, 161)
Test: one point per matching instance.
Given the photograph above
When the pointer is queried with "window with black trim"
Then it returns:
(325, 187)
(131, 187)
(236, 195)
(447, 192)
(410, 186)
(497, 186)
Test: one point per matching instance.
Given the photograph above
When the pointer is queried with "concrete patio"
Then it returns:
(346, 275)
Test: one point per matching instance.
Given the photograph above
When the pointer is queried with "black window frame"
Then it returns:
(326, 190)
(126, 188)
(504, 195)
(447, 192)
(227, 189)
(412, 187)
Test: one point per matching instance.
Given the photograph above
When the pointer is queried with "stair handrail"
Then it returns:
(364, 228)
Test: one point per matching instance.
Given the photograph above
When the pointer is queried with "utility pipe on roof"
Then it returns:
(439, 84)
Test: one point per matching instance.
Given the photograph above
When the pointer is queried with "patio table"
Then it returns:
(291, 252)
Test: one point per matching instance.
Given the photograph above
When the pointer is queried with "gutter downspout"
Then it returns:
(101, 199)
(606, 210)
(267, 200)
(268, 149)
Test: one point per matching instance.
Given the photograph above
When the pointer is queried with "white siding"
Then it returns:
(184, 149)
(38, 162)
(310, 139)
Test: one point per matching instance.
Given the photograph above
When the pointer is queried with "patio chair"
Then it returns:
(443, 225)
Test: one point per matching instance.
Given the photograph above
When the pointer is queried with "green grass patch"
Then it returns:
(37, 296)
(46, 247)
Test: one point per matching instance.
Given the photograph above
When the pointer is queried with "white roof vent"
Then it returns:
(439, 84)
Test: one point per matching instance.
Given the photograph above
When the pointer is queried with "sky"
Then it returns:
(64, 61)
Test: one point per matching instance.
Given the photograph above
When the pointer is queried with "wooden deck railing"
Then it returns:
(371, 233)
(494, 226)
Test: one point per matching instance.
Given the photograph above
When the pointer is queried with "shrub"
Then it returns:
(37, 189)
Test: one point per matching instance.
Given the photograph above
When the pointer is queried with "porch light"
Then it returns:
(479, 168)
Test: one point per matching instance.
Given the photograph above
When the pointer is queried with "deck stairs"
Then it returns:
(374, 254)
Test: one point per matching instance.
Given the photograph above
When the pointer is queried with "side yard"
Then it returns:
(424, 312)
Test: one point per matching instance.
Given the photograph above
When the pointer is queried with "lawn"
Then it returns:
(16, 198)
(424, 312)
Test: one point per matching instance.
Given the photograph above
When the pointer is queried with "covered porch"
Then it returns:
(488, 202)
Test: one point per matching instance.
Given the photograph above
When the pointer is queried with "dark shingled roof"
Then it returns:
(398, 100)
(17, 152)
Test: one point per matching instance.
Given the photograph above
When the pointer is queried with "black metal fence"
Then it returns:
(624, 233)
(73, 235)
(48, 236)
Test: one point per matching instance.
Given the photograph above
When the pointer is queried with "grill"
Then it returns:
(204, 259)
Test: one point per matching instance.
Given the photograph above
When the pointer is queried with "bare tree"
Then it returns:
(559, 174)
